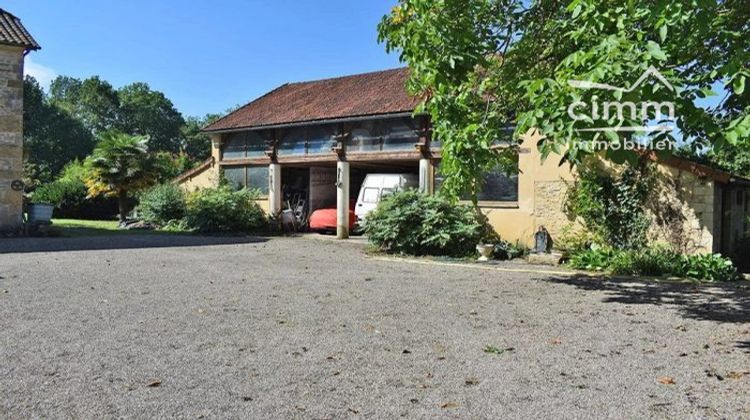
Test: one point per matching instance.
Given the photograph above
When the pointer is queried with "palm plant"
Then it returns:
(119, 165)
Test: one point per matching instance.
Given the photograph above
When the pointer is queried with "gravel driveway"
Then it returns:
(190, 327)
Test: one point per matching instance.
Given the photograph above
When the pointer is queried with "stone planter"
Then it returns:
(485, 251)
(40, 213)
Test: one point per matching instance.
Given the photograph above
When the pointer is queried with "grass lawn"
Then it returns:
(78, 228)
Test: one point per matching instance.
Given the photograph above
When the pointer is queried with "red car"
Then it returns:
(324, 220)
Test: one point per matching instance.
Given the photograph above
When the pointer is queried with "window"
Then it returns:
(497, 186)
(257, 179)
(400, 134)
(379, 135)
(235, 146)
(370, 195)
(292, 143)
(365, 138)
(249, 144)
(256, 145)
(320, 139)
(250, 177)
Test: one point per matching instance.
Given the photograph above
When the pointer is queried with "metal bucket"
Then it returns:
(40, 213)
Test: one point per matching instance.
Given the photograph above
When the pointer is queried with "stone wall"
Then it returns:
(684, 212)
(11, 136)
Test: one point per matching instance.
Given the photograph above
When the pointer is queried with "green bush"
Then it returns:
(214, 210)
(613, 206)
(656, 261)
(592, 259)
(76, 204)
(162, 203)
(409, 222)
(51, 193)
(711, 267)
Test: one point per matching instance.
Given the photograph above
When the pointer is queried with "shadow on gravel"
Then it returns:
(26, 245)
(745, 345)
(722, 302)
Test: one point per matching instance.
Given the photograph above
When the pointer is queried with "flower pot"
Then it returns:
(40, 213)
(485, 251)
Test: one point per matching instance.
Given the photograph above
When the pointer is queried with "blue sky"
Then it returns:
(205, 56)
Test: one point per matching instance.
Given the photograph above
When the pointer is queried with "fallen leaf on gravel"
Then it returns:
(246, 398)
(154, 383)
(472, 381)
(666, 380)
(449, 404)
(556, 341)
(353, 411)
(495, 350)
(413, 400)
(737, 375)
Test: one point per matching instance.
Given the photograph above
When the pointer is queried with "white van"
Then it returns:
(377, 186)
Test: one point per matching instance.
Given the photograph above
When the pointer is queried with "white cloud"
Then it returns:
(44, 75)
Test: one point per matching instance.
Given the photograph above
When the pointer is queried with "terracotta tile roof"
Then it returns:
(12, 32)
(382, 92)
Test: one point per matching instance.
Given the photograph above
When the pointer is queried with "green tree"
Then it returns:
(197, 145)
(147, 112)
(52, 137)
(120, 165)
(92, 101)
(482, 65)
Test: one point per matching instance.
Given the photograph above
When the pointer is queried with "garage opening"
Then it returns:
(311, 190)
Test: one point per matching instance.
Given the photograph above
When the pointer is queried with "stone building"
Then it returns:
(15, 43)
(350, 126)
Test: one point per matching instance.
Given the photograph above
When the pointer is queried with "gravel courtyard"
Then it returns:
(162, 326)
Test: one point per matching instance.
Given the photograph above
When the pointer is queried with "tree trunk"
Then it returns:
(122, 201)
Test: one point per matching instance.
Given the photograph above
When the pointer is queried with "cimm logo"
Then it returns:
(660, 112)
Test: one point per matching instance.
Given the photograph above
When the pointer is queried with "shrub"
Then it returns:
(213, 210)
(162, 203)
(51, 193)
(592, 259)
(76, 204)
(711, 267)
(409, 222)
(613, 207)
(657, 261)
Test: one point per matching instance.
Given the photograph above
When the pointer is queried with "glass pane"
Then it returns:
(400, 134)
(365, 138)
(235, 146)
(321, 139)
(256, 145)
(499, 187)
(370, 195)
(236, 176)
(257, 179)
(292, 143)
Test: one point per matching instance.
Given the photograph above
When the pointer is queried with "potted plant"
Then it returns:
(43, 202)
(485, 251)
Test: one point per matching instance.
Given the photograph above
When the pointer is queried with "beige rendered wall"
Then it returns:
(541, 195)
(209, 177)
(683, 211)
(11, 136)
